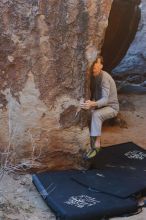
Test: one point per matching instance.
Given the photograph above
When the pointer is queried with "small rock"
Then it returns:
(134, 79)
(143, 84)
(11, 59)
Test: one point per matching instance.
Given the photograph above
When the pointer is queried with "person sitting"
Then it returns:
(103, 103)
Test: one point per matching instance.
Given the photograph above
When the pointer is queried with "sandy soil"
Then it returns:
(19, 199)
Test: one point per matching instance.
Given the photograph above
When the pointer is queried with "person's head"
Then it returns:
(97, 66)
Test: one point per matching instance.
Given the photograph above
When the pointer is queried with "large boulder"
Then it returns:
(47, 47)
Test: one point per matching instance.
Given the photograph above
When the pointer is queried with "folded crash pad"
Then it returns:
(73, 201)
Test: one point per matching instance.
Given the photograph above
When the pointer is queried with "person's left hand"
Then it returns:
(88, 104)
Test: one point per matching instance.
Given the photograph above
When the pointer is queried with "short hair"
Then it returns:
(95, 61)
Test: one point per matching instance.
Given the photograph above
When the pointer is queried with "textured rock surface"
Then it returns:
(46, 50)
(132, 68)
(123, 23)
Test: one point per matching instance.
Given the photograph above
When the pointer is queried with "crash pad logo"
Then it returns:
(81, 201)
(135, 155)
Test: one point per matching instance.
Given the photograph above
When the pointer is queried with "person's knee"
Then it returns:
(96, 115)
(115, 113)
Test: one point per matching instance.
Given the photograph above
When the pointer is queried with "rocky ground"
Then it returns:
(19, 199)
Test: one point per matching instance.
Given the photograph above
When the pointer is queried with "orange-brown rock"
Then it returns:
(47, 47)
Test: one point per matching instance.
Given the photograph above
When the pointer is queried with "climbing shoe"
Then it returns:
(91, 153)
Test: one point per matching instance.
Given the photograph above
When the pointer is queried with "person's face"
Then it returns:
(97, 67)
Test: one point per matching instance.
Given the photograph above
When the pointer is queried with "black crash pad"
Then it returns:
(125, 154)
(72, 201)
(119, 181)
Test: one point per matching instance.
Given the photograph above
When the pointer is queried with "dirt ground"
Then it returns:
(19, 199)
(133, 110)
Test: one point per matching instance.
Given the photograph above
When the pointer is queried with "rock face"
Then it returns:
(123, 24)
(132, 68)
(47, 47)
